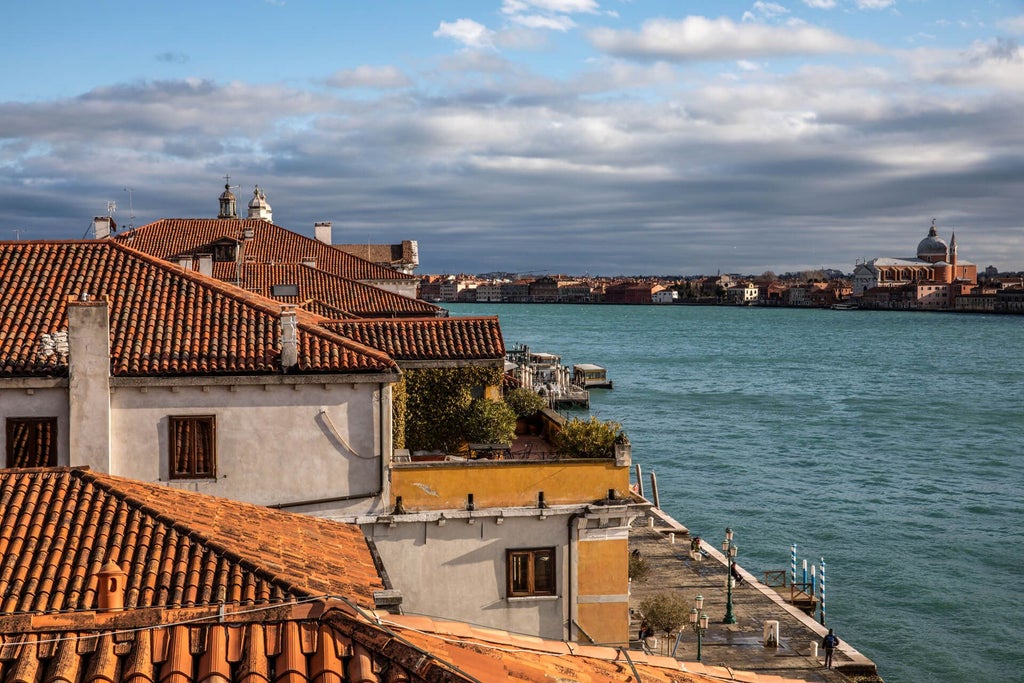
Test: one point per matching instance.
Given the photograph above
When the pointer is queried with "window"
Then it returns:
(531, 572)
(284, 290)
(193, 453)
(31, 442)
(224, 252)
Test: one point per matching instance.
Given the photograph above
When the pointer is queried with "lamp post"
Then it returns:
(730, 559)
(698, 622)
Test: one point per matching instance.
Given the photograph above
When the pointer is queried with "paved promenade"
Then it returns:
(738, 645)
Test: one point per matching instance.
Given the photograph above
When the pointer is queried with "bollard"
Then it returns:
(771, 633)
(650, 522)
(671, 538)
(814, 648)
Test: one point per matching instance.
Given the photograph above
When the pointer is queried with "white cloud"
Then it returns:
(764, 10)
(820, 4)
(557, 6)
(696, 37)
(875, 4)
(1013, 24)
(466, 31)
(369, 77)
(538, 21)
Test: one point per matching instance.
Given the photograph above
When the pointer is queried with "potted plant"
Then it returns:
(590, 438)
(665, 613)
(489, 421)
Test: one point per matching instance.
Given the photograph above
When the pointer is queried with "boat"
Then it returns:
(590, 376)
(844, 306)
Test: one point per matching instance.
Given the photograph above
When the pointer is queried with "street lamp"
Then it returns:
(698, 621)
(730, 561)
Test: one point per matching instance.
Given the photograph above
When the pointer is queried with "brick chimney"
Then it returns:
(322, 232)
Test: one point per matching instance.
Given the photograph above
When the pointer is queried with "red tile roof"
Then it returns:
(319, 290)
(179, 548)
(270, 243)
(163, 320)
(457, 338)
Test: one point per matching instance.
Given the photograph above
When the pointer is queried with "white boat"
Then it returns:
(590, 376)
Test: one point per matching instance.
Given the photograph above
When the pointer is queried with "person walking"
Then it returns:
(829, 643)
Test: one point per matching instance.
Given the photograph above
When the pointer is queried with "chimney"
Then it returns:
(206, 264)
(112, 581)
(309, 261)
(322, 231)
(289, 333)
(89, 382)
(102, 226)
(185, 262)
(247, 234)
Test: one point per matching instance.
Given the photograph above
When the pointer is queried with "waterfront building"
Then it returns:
(745, 293)
(931, 280)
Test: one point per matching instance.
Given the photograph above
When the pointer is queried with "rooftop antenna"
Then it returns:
(131, 209)
(17, 233)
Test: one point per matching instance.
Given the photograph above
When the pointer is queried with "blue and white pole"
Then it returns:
(805, 574)
(822, 579)
(792, 564)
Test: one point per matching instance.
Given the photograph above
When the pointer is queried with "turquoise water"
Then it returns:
(888, 443)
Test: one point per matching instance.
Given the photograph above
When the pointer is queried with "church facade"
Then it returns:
(931, 280)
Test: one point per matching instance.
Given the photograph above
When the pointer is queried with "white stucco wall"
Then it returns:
(21, 398)
(275, 444)
(471, 558)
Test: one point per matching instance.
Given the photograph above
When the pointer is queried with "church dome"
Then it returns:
(932, 245)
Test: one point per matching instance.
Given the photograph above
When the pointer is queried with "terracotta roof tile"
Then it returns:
(163, 320)
(270, 243)
(457, 338)
(323, 292)
(178, 548)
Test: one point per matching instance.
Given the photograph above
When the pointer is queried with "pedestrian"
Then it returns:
(737, 579)
(829, 643)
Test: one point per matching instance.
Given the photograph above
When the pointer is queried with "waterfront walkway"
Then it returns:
(740, 645)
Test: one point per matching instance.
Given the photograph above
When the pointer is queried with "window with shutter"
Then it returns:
(31, 442)
(193, 453)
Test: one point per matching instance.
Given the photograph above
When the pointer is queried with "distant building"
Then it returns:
(936, 275)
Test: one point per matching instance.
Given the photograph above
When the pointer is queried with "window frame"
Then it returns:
(172, 447)
(34, 420)
(530, 555)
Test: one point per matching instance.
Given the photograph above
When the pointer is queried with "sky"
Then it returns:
(599, 137)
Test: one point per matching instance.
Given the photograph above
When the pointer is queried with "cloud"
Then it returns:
(466, 31)
(764, 10)
(820, 4)
(1013, 24)
(369, 77)
(875, 4)
(172, 57)
(537, 21)
(699, 38)
(557, 6)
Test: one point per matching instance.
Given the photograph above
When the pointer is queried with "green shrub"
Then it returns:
(639, 568)
(665, 612)
(525, 402)
(591, 438)
(489, 422)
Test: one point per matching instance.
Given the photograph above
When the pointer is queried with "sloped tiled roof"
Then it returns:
(163, 320)
(179, 549)
(270, 243)
(319, 291)
(456, 338)
(380, 253)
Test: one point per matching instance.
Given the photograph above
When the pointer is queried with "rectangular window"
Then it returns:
(31, 442)
(531, 572)
(193, 453)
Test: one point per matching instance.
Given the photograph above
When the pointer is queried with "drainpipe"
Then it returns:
(573, 536)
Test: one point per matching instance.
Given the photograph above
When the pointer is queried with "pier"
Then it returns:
(665, 545)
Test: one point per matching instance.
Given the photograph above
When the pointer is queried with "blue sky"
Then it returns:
(600, 136)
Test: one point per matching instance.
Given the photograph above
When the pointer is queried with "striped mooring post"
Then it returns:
(821, 580)
(792, 564)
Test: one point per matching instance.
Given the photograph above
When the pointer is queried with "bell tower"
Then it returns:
(228, 204)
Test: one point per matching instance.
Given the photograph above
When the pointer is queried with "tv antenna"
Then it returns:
(131, 209)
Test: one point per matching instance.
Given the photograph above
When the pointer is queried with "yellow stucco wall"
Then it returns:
(605, 622)
(444, 486)
(603, 568)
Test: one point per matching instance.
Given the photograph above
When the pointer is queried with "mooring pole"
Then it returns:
(654, 490)
(639, 480)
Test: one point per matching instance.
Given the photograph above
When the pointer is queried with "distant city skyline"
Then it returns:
(574, 136)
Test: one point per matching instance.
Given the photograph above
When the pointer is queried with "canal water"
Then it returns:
(889, 443)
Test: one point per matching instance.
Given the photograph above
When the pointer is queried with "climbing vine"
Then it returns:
(436, 400)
